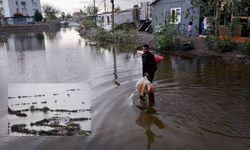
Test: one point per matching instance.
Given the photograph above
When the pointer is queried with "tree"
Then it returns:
(38, 16)
(50, 12)
(91, 10)
(117, 9)
(68, 16)
(63, 15)
(223, 11)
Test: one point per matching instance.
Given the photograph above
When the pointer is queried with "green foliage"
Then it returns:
(123, 37)
(246, 44)
(125, 27)
(225, 44)
(68, 16)
(167, 37)
(88, 22)
(38, 16)
(90, 10)
(103, 36)
(79, 16)
(50, 12)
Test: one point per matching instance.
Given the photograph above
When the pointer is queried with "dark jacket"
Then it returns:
(148, 63)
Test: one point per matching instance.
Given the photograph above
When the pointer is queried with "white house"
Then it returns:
(104, 20)
(22, 7)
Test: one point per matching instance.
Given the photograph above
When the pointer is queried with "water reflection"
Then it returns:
(25, 42)
(53, 35)
(146, 121)
(115, 70)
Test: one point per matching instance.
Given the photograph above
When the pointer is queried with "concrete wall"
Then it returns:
(162, 10)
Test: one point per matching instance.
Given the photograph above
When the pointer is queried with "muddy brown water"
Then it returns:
(200, 104)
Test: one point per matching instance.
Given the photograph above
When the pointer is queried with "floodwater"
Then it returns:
(200, 104)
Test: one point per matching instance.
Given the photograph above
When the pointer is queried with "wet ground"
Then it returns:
(200, 104)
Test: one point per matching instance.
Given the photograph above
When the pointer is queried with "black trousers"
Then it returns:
(151, 77)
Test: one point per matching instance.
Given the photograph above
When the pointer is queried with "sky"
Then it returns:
(70, 6)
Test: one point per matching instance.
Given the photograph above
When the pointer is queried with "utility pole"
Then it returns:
(113, 15)
(94, 13)
(105, 7)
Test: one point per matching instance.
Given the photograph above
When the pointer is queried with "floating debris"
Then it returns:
(44, 102)
(34, 103)
(68, 95)
(11, 97)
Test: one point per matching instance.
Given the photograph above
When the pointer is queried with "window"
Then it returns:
(17, 3)
(23, 4)
(175, 16)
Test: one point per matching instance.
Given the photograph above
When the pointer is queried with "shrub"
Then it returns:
(167, 37)
(225, 45)
(247, 45)
(38, 16)
(125, 26)
(103, 36)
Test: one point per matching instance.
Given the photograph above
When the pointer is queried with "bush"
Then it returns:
(38, 16)
(247, 45)
(103, 36)
(167, 37)
(123, 37)
(225, 45)
(125, 26)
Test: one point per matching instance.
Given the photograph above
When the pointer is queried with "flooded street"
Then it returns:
(200, 104)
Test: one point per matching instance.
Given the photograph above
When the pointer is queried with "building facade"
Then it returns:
(1, 8)
(19, 11)
(178, 12)
(24, 7)
(104, 20)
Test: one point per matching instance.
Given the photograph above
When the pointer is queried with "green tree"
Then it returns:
(68, 16)
(38, 16)
(63, 15)
(91, 10)
(50, 12)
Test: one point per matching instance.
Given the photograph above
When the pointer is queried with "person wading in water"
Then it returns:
(149, 68)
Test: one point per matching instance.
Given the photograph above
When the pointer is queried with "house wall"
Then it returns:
(1, 7)
(28, 8)
(145, 11)
(119, 18)
(162, 10)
